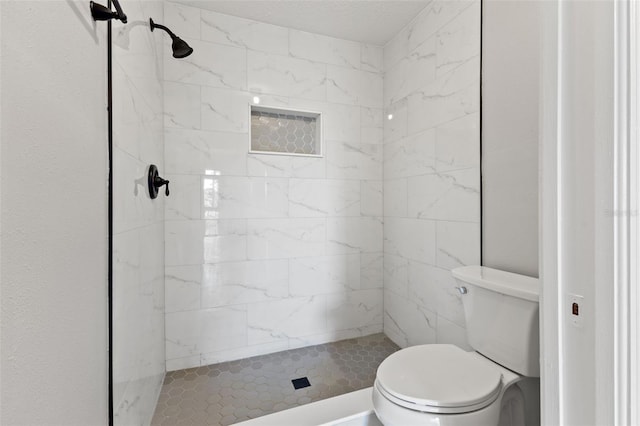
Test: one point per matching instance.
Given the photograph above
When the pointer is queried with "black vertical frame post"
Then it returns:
(110, 214)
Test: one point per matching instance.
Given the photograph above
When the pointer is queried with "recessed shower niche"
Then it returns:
(285, 132)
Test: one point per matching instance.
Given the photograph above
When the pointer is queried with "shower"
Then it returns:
(180, 48)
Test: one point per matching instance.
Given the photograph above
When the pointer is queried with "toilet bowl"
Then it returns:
(441, 384)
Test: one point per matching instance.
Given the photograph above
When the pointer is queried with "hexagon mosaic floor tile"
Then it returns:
(231, 392)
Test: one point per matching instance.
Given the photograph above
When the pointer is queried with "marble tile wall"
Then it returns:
(138, 249)
(431, 171)
(269, 252)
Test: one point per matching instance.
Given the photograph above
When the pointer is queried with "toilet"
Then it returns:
(441, 384)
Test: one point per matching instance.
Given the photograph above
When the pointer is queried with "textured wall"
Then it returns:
(138, 246)
(269, 252)
(510, 135)
(54, 215)
(431, 171)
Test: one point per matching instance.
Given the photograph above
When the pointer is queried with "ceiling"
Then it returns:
(366, 21)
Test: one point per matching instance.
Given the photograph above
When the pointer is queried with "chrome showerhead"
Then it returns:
(180, 47)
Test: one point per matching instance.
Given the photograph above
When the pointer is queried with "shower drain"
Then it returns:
(300, 383)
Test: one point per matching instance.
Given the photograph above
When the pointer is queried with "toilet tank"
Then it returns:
(501, 312)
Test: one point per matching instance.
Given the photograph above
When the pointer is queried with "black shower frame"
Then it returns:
(110, 213)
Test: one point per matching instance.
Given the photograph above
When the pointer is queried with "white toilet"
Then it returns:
(443, 385)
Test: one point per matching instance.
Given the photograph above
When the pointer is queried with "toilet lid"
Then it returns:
(439, 378)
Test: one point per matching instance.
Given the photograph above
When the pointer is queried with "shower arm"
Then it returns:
(162, 27)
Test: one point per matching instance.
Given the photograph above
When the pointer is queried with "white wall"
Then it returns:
(269, 252)
(578, 213)
(54, 215)
(431, 171)
(510, 91)
(138, 245)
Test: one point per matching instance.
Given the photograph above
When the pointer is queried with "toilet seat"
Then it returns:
(439, 379)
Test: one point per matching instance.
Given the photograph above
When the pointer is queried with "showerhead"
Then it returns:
(180, 47)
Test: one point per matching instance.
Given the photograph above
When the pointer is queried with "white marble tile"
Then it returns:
(225, 240)
(424, 286)
(225, 110)
(395, 199)
(310, 276)
(184, 239)
(307, 198)
(411, 73)
(321, 48)
(192, 242)
(453, 334)
(320, 198)
(354, 309)
(459, 40)
(371, 198)
(371, 93)
(446, 196)
(279, 320)
(341, 123)
(407, 323)
(353, 160)
(138, 116)
(184, 200)
(451, 96)
(436, 15)
(207, 330)
(126, 297)
(136, 405)
(232, 283)
(396, 49)
(343, 197)
(234, 31)
(152, 259)
(135, 207)
(181, 106)
(458, 144)
(183, 20)
(182, 363)
(213, 65)
(371, 270)
(236, 197)
(285, 166)
(422, 65)
(371, 58)
(355, 87)
(396, 274)
(182, 288)
(458, 244)
(284, 238)
(396, 121)
(372, 135)
(243, 352)
(411, 238)
(344, 85)
(286, 76)
(206, 153)
(410, 156)
(354, 235)
(371, 117)
(449, 299)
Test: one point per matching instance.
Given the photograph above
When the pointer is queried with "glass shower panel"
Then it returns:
(138, 356)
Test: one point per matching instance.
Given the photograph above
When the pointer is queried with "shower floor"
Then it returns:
(231, 392)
